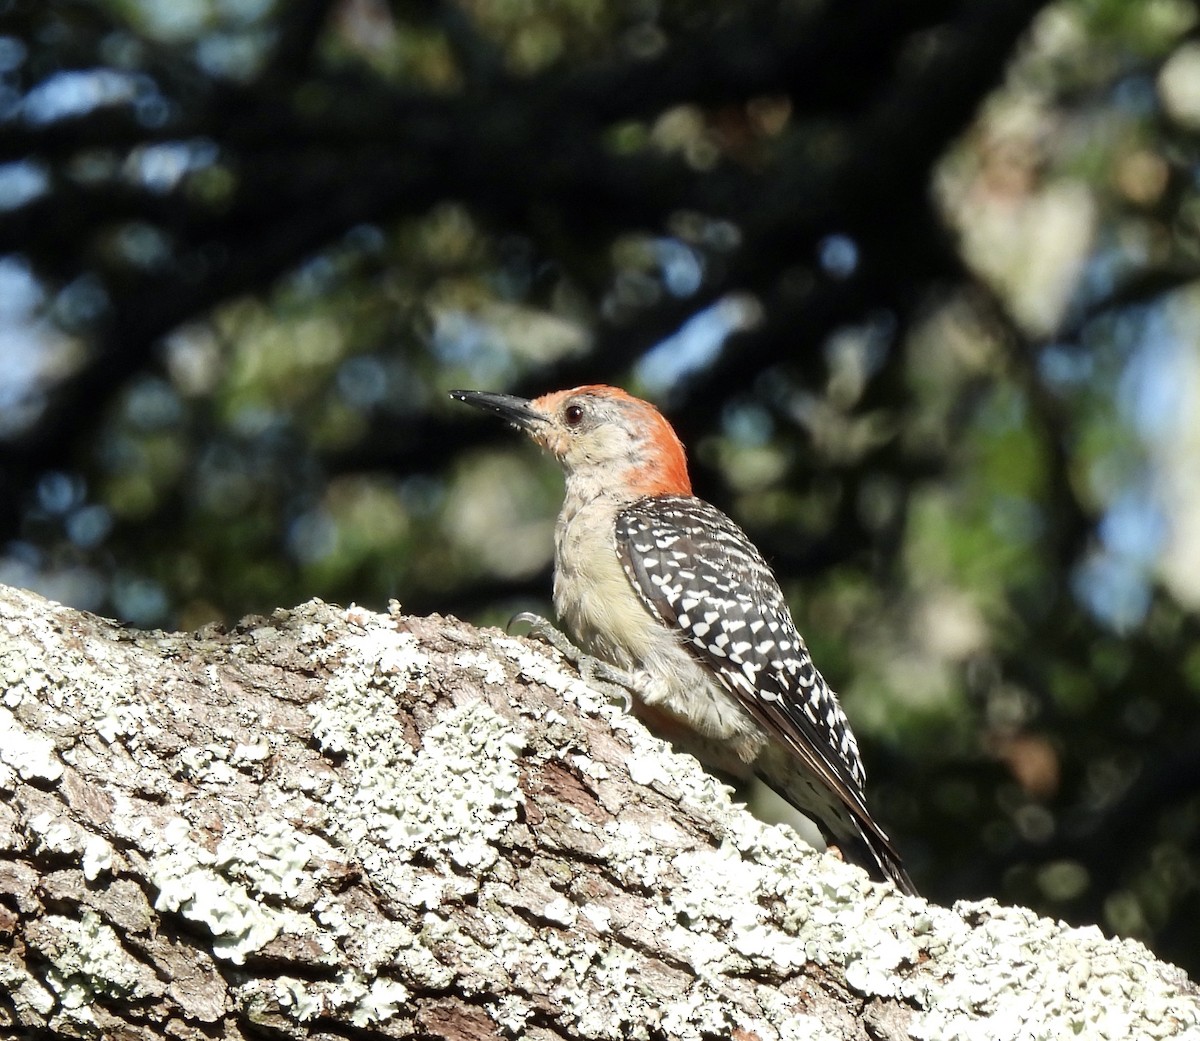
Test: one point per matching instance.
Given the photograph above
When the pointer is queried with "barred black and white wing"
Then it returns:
(698, 573)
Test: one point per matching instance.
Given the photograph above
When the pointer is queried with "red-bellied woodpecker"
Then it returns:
(674, 597)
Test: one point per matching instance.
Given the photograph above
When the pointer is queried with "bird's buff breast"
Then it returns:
(597, 605)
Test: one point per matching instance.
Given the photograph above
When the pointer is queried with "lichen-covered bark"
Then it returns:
(332, 823)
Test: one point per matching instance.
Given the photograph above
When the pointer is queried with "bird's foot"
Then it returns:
(614, 683)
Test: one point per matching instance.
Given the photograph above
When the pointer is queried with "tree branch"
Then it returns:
(332, 823)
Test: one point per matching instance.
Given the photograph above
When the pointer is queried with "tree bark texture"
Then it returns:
(336, 824)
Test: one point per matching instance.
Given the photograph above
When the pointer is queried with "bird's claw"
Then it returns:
(616, 684)
(541, 629)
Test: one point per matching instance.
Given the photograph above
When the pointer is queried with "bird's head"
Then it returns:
(598, 432)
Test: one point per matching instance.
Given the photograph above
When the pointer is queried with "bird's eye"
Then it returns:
(573, 414)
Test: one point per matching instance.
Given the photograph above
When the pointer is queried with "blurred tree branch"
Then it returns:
(371, 153)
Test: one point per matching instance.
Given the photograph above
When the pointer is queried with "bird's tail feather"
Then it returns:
(876, 855)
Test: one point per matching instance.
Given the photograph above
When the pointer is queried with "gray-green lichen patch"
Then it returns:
(489, 669)
(364, 1002)
(87, 963)
(538, 666)
(1034, 978)
(421, 816)
(223, 889)
(97, 857)
(448, 801)
(32, 756)
(31, 999)
(758, 903)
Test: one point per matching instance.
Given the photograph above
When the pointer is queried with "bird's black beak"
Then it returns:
(517, 411)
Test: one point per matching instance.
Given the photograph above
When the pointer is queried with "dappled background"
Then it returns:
(919, 282)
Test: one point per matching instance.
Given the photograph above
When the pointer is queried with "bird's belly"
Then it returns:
(610, 622)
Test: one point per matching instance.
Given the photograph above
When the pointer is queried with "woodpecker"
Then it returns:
(670, 594)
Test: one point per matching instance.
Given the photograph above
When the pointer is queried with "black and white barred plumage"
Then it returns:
(696, 571)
